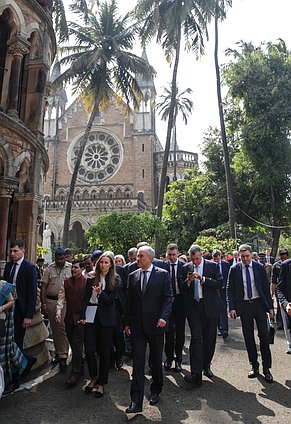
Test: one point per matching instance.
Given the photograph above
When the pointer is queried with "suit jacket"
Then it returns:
(179, 273)
(106, 303)
(284, 284)
(213, 282)
(144, 310)
(26, 285)
(235, 287)
(225, 270)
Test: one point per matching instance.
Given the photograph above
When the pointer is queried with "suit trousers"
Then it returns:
(75, 334)
(98, 340)
(203, 337)
(223, 317)
(255, 312)
(156, 344)
(58, 330)
(175, 336)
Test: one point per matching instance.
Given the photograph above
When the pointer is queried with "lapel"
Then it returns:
(256, 276)
(20, 270)
(138, 281)
(151, 278)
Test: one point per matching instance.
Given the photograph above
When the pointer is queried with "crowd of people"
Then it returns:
(102, 308)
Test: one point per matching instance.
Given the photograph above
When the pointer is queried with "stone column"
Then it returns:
(7, 187)
(18, 47)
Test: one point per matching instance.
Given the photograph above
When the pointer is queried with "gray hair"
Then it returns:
(194, 249)
(149, 250)
(245, 247)
(132, 251)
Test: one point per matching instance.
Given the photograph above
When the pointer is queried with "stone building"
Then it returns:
(120, 166)
(27, 50)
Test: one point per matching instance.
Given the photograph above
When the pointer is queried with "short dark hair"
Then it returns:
(172, 246)
(19, 243)
(216, 253)
(78, 261)
(60, 252)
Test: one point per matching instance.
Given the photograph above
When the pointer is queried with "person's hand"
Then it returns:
(288, 309)
(199, 276)
(127, 330)
(232, 314)
(161, 323)
(58, 318)
(271, 314)
(26, 322)
(190, 277)
(97, 289)
(82, 321)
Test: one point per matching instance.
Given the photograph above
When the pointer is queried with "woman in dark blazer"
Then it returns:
(100, 292)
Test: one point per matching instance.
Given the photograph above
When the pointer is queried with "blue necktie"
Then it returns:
(196, 287)
(249, 283)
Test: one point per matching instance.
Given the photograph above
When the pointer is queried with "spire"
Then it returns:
(146, 82)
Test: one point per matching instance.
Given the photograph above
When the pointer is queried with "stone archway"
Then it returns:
(76, 235)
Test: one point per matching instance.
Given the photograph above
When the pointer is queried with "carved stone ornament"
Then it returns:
(8, 186)
(18, 45)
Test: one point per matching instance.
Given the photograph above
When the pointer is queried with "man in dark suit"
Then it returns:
(22, 274)
(148, 307)
(175, 336)
(223, 316)
(284, 295)
(201, 280)
(249, 296)
(235, 258)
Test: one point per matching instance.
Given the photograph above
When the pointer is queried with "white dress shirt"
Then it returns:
(254, 289)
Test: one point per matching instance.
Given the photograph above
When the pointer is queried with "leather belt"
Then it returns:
(252, 300)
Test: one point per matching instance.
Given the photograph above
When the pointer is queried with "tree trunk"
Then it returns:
(169, 129)
(77, 166)
(229, 186)
(275, 242)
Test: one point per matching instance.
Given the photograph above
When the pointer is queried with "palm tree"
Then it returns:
(183, 105)
(168, 20)
(220, 14)
(101, 68)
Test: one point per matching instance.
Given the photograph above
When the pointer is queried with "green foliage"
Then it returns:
(119, 231)
(40, 251)
(208, 244)
(193, 204)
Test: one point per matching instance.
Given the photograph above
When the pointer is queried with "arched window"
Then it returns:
(5, 32)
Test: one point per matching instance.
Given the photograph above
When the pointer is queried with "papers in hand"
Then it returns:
(90, 313)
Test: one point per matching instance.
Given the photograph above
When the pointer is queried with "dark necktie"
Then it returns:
(144, 282)
(249, 283)
(173, 275)
(12, 272)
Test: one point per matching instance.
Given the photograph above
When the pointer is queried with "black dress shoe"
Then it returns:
(56, 360)
(178, 366)
(119, 364)
(254, 372)
(167, 365)
(154, 398)
(208, 373)
(133, 408)
(268, 376)
(63, 364)
(225, 335)
(30, 362)
(194, 379)
(99, 395)
(72, 381)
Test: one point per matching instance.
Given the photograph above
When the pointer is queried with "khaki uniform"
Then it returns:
(51, 284)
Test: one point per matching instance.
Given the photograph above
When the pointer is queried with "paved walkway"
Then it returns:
(230, 398)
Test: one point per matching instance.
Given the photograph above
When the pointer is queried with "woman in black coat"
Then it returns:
(100, 294)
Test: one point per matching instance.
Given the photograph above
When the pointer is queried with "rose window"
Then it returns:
(101, 159)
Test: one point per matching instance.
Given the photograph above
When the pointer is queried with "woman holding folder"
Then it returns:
(98, 315)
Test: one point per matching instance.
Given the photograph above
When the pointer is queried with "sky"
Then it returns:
(247, 20)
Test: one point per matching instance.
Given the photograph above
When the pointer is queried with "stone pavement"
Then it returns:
(230, 397)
